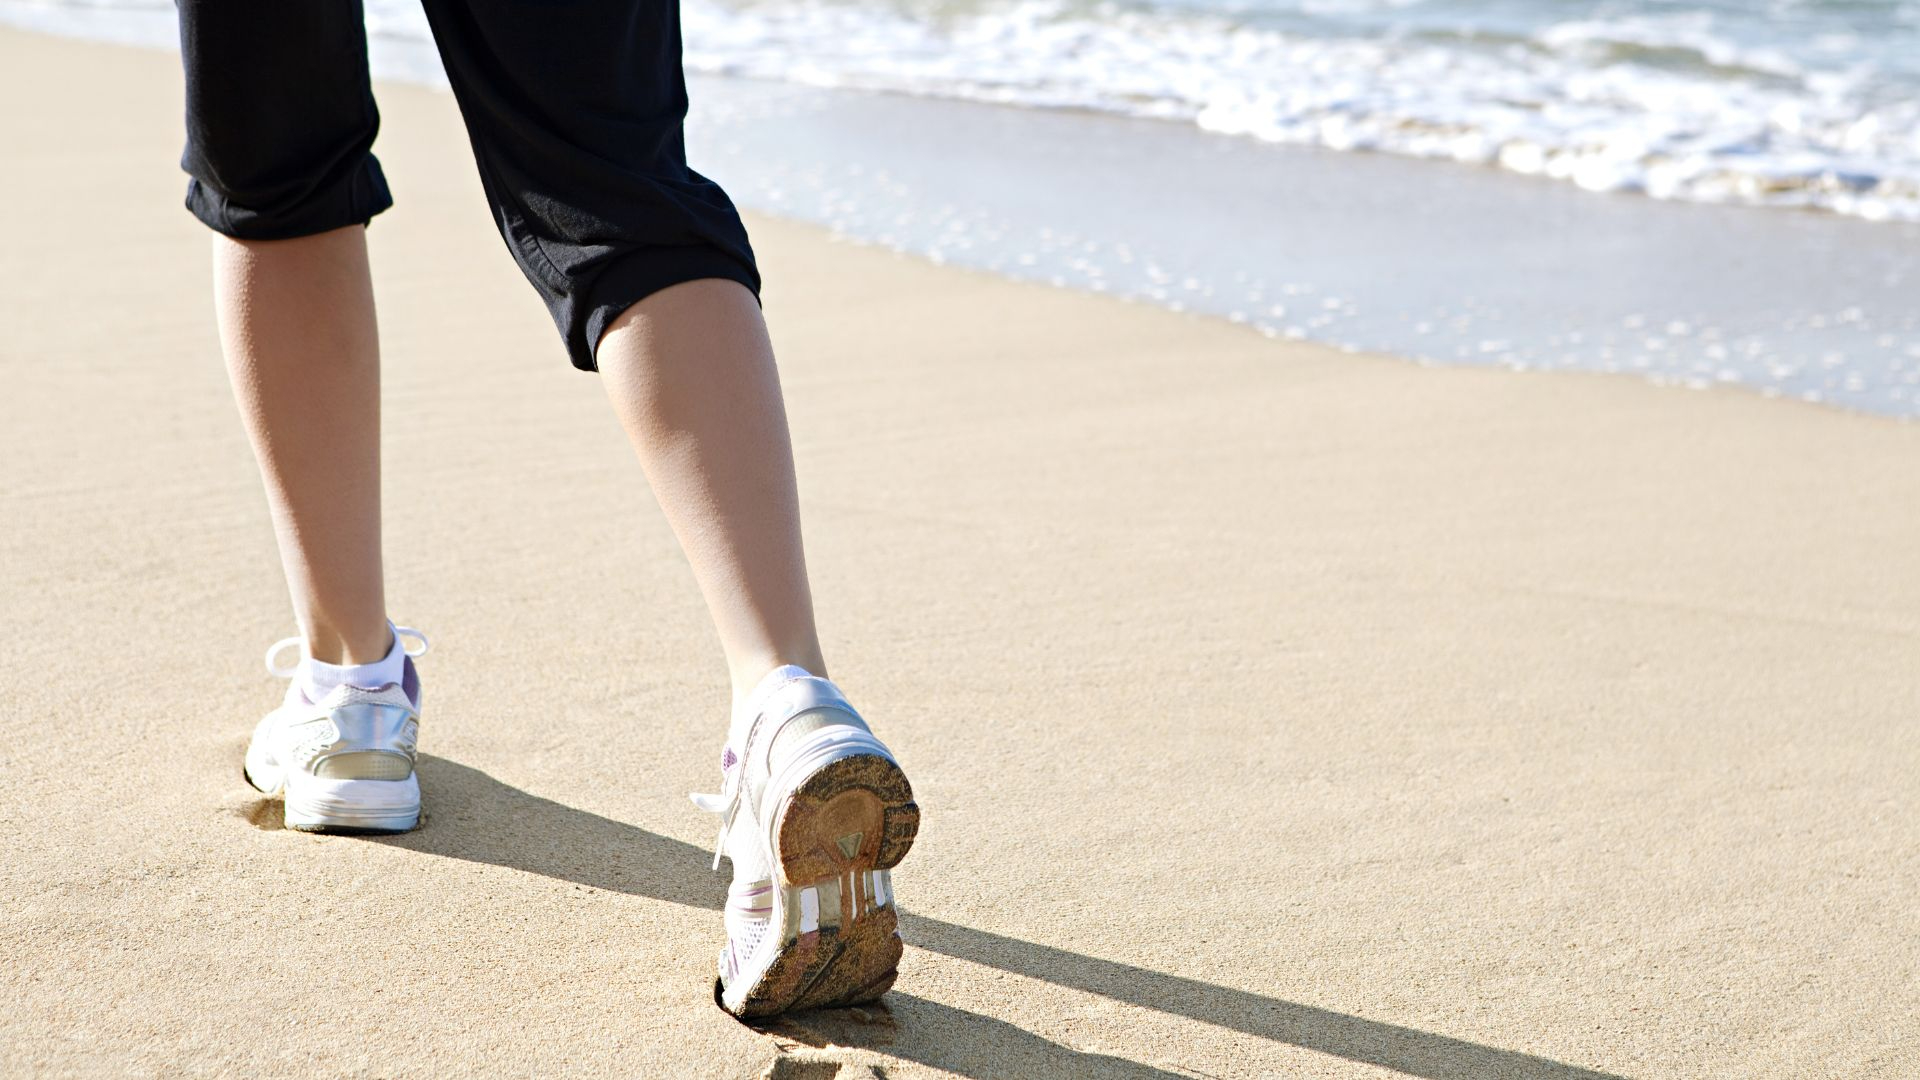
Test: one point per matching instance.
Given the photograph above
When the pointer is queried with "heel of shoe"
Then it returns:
(835, 839)
(317, 804)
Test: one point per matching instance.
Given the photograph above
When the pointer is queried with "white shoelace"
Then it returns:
(288, 671)
(726, 804)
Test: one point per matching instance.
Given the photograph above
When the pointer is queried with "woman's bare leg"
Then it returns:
(297, 325)
(692, 377)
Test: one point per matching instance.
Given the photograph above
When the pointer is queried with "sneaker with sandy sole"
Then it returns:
(815, 813)
(344, 763)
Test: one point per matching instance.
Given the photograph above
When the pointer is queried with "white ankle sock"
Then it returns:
(319, 678)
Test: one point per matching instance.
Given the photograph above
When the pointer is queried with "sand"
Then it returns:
(1275, 712)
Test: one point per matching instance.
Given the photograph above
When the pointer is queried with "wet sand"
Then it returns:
(1274, 711)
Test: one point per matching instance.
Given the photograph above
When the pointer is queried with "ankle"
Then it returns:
(317, 678)
(747, 674)
(362, 645)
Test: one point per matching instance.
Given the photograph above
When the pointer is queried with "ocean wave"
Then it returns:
(1658, 104)
(1809, 103)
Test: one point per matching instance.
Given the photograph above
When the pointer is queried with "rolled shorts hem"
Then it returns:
(638, 275)
(353, 201)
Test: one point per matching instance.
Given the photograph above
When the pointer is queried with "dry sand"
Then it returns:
(1275, 712)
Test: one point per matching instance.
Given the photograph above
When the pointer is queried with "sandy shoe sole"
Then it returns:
(316, 804)
(835, 837)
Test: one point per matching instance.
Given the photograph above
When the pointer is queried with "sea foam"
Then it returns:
(1796, 103)
(1659, 103)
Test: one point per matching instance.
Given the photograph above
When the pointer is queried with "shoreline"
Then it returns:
(1275, 711)
(1293, 78)
(1431, 261)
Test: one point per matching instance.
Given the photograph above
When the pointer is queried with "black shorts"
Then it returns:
(573, 108)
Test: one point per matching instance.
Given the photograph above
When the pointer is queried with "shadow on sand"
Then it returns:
(479, 819)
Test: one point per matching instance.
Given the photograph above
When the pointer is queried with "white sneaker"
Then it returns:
(344, 763)
(815, 812)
